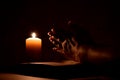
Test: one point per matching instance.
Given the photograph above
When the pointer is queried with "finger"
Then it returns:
(58, 50)
(52, 38)
(49, 33)
(64, 46)
(53, 30)
(56, 44)
(70, 43)
(55, 41)
(69, 46)
(74, 41)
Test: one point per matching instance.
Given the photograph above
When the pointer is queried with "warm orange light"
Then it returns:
(33, 45)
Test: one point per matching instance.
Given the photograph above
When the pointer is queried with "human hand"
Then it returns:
(67, 46)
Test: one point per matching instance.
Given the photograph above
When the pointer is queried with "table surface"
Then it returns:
(11, 76)
(51, 71)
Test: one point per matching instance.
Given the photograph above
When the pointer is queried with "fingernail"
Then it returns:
(52, 29)
(58, 40)
(53, 42)
(52, 37)
(48, 33)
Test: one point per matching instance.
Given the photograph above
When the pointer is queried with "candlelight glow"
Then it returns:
(33, 35)
(33, 47)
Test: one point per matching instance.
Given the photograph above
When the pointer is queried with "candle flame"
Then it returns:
(33, 35)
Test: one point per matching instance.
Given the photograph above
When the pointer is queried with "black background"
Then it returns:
(20, 18)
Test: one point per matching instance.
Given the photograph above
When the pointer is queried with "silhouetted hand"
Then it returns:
(77, 52)
(68, 46)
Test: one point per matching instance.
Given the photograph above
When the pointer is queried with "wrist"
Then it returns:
(83, 54)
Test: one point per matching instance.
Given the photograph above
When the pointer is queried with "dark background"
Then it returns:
(20, 18)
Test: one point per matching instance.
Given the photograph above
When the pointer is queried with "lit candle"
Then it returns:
(33, 47)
